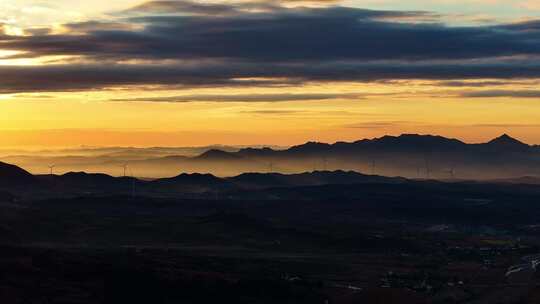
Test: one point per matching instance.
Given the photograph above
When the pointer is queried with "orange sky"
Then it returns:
(93, 120)
(274, 111)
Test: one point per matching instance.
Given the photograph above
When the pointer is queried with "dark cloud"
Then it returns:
(192, 44)
(96, 26)
(503, 93)
(526, 26)
(38, 31)
(300, 34)
(245, 97)
(479, 84)
(187, 7)
(73, 77)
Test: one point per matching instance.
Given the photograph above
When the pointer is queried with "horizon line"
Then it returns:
(29, 148)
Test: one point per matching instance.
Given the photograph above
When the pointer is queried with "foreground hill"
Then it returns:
(271, 238)
(13, 176)
(18, 181)
(269, 180)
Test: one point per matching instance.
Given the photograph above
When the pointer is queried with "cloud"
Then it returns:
(272, 112)
(303, 112)
(478, 84)
(181, 44)
(296, 34)
(378, 124)
(80, 77)
(283, 97)
(503, 93)
(185, 7)
(25, 96)
(96, 26)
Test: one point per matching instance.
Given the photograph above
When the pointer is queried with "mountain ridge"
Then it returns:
(408, 155)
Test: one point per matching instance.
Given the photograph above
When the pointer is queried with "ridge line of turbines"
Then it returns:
(126, 168)
(324, 161)
(372, 167)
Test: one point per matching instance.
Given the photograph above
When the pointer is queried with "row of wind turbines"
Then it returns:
(124, 166)
(324, 161)
(425, 170)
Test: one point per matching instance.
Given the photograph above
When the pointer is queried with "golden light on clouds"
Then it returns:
(154, 78)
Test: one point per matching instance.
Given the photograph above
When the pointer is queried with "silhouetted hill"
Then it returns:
(83, 177)
(11, 175)
(507, 143)
(269, 180)
(6, 196)
(309, 148)
(405, 142)
(217, 155)
(189, 183)
(409, 155)
(252, 152)
(81, 183)
(95, 183)
(527, 180)
(414, 142)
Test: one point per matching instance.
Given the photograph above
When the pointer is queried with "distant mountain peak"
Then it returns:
(311, 147)
(217, 154)
(414, 141)
(507, 140)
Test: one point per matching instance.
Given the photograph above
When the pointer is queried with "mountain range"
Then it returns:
(17, 181)
(407, 155)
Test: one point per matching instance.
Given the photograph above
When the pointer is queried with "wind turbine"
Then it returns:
(125, 167)
(452, 172)
(428, 169)
(325, 163)
(132, 182)
(51, 167)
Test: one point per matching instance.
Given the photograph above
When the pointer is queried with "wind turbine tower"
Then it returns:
(125, 167)
(51, 168)
(428, 169)
(452, 173)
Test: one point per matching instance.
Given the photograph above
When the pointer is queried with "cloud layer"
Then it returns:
(189, 44)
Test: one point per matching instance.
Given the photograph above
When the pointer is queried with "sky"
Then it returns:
(283, 72)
